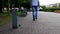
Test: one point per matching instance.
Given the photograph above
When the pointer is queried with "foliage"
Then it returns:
(16, 3)
(52, 9)
(44, 7)
(18, 13)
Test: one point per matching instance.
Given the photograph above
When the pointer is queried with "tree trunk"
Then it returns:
(8, 7)
(30, 3)
(1, 6)
(19, 7)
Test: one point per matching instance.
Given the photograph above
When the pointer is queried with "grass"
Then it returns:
(4, 18)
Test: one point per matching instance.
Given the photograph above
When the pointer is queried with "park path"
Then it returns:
(47, 23)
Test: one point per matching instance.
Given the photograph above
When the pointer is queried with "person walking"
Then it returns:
(34, 9)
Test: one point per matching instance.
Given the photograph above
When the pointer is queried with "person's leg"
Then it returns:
(36, 12)
(33, 13)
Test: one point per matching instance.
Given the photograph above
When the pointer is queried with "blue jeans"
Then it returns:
(34, 11)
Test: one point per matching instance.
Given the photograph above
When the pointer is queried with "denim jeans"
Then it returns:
(34, 11)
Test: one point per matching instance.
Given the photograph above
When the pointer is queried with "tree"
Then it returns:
(25, 3)
(1, 6)
(8, 7)
(16, 3)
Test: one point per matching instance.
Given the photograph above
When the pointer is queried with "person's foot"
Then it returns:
(36, 18)
(33, 19)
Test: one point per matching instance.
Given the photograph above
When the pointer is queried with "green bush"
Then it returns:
(52, 9)
(18, 13)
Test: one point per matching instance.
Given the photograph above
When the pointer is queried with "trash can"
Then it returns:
(14, 19)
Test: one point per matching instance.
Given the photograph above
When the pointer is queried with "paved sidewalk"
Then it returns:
(47, 23)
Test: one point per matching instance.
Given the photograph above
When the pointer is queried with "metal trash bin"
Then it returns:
(14, 19)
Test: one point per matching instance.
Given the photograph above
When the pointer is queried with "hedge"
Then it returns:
(51, 9)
